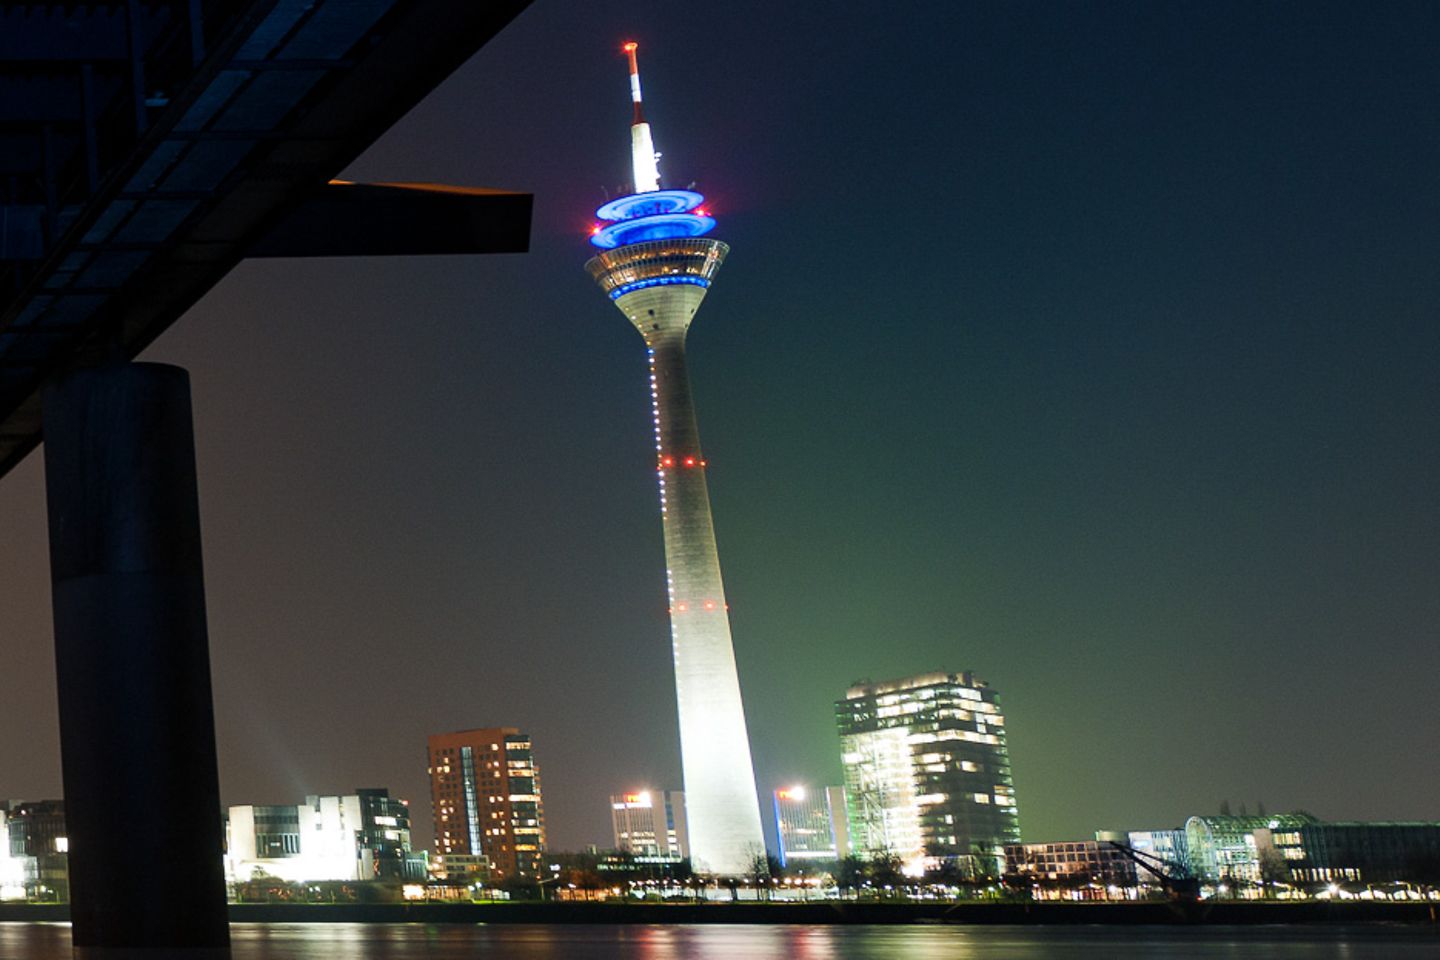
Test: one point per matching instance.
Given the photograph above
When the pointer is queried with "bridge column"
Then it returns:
(137, 728)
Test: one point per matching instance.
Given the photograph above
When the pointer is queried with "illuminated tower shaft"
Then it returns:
(720, 802)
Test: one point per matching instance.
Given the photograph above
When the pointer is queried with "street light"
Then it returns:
(555, 870)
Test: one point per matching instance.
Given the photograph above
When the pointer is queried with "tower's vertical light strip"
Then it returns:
(657, 267)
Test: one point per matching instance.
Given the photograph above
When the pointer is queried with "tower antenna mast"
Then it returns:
(643, 158)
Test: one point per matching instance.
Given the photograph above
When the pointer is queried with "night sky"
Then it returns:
(1090, 347)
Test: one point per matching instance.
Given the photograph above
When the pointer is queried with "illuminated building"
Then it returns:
(36, 856)
(362, 836)
(656, 266)
(927, 772)
(12, 868)
(650, 824)
(1345, 852)
(1073, 861)
(485, 791)
(805, 824)
(1227, 847)
(1164, 845)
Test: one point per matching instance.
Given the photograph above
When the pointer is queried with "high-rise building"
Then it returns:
(362, 836)
(927, 772)
(485, 789)
(656, 267)
(805, 824)
(650, 824)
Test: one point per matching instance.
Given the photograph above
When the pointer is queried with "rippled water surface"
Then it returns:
(42, 941)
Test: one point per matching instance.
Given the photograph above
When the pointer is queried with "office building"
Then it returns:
(1166, 846)
(362, 836)
(485, 792)
(38, 849)
(805, 824)
(1070, 862)
(656, 266)
(1349, 852)
(12, 868)
(1228, 848)
(650, 824)
(927, 772)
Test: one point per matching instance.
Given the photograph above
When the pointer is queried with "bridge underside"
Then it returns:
(146, 147)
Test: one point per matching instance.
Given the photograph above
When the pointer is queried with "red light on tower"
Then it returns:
(689, 461)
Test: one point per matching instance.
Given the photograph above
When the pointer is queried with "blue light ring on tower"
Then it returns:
(660, 226)
(646, 204)
(619, 292)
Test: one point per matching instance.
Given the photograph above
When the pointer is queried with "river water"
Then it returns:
(44, 941)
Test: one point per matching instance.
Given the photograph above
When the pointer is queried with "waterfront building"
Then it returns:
(650, 824)
(1377, 852)
(1070, 862)
(12, 868)
(656, 265)
(1225, 848)
(362, 836)
(927, 772)
(805, 825)
(1164, 845)
(485, 793)
(839, 821)
(38, 849)
(460, 868)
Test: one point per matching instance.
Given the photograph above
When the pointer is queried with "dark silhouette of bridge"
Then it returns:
(146, 147)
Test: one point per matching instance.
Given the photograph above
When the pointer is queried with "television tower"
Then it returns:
(656, 267)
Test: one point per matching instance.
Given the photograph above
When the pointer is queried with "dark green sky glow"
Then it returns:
(1090, 347)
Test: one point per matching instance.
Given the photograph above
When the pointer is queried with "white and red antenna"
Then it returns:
(642, 147)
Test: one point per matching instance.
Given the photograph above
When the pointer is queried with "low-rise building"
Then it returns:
(1340, 852)
(650, 824)
(1165, 846)
(38, 850)
(1225, 848)
(805, 824)
(1070, 862)
(362, 836)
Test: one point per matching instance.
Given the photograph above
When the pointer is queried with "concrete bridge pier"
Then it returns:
(137, 728)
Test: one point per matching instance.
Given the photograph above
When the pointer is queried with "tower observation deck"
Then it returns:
(656, 265)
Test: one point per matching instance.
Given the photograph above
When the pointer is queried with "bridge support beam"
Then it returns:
(137, 729)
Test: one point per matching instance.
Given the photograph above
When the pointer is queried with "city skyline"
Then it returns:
(1129, 408)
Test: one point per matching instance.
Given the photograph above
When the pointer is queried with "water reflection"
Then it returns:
(45, 941)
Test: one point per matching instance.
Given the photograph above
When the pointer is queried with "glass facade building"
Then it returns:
(927, 772)
(1378, 852)
(805, 825)
(1224, 848)
(1165, 845)
(650, 824)
(35, 862)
